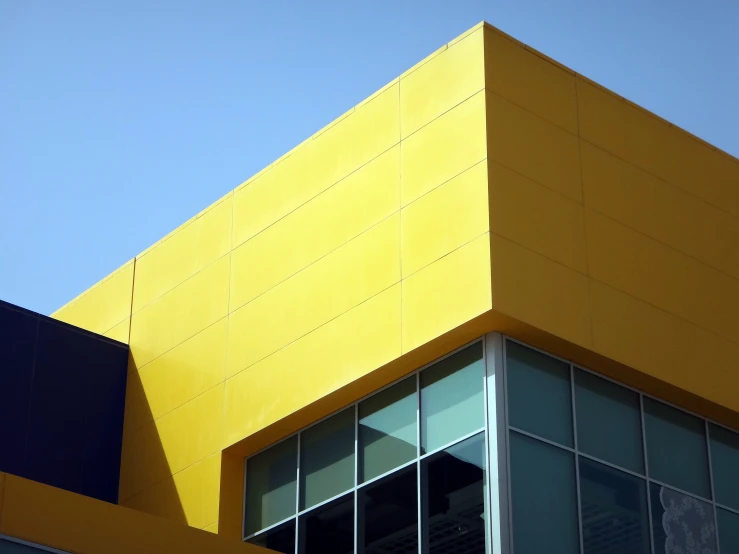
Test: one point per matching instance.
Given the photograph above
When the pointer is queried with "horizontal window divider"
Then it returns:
(327, 501)
(460, 439)
(389, 472)
(270, 528)
(611, 465)
(537, 437)
(681, 491)
(727, 508)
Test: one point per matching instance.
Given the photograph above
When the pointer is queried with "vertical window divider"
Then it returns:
(297, 497)
(713, 491)
(577, 459)
(418, 462)
(495, 443)
(646, 470)
(355, 494)
(507, 451)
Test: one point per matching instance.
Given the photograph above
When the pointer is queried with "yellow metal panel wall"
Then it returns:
(190, 496)
(102, 306)
(316, 165)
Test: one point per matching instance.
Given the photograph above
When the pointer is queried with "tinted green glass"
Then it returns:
(387, 429)
(543, 497)
(676, 448)
(270, 485)
(452, 398)
(725, 461)
(539, 394)
(613, 508)
(728, 530)
(280, 539)
(327, 459)
(608, 421)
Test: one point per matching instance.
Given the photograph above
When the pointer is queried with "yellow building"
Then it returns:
(490, 204)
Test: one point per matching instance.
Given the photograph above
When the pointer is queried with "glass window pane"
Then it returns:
(676, 448)
(281, 539)
(681, 523)
(388, 514)
(725, 461)
(728, 530)
(451, 398)
(544, 497)
(327, 459)
(615, 519)
(270, 485)
(387, 429)
(454, 498)
(608, 421)
(329, 529)
(539, 394)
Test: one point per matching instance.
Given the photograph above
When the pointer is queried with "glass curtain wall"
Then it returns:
(499, 447)
(598, 468)
(403, 468)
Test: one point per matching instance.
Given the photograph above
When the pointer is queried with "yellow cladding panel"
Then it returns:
(660, 210)
(447, 293)
(190, 497)
(2, 491)
(120, 331)
(533, 147)
(351, 274)
(186, 252)
(181, 313)
(367, 132)
(444, 81)
(538, 291)
(174, 442)
(76, 523)
(443, 149)
(355, 343)
(189, 369)
(444, 219)
(102, 306)
(669, 348)
(332, 218)
(527, 79)
(650, 271)
(536, 217)
(212, 528)
(659, 148)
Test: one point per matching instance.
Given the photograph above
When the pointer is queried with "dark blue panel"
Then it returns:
(17, 341)
(106, 395)
(56, 438)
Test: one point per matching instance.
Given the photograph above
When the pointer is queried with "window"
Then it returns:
(499, 447)
(604, 469)
(361, 480)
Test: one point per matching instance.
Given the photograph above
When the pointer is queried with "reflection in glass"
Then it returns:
(676, 448)
(387, 430)
(725, 464)
(327, 459)
(544, 499)
(681, 523)
(388, 514)
(329, 529)
(608, 421)
(270, 485)
(539, 394)
(281, 539)
(728, 530)
(614, 512)
(454, 498)
(452, 398)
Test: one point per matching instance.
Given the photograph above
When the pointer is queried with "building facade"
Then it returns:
(491, 308)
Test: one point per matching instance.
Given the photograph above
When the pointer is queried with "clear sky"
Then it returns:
(121, 119)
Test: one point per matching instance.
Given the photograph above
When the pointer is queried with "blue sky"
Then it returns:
(122, 119)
